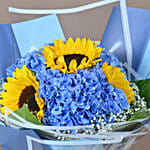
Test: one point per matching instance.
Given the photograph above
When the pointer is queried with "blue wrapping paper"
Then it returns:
(139, 23)
(13, 139)
(9, 51)
(20, 38)
(33, 34)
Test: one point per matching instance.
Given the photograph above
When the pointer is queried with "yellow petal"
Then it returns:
(98, 51)
(83, 45)
(117, 78)
(73, 66)
(70, 45)
(83, 63)
(62, 47)
(78, 44)
(40, 114)
(61, 65)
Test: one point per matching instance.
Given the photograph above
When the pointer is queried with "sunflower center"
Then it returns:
(77, 57)
(27, 97)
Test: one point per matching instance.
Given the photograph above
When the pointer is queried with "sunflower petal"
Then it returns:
(70, 45)
(117, 78)
(73, 66)
(78, 46)
(83, 63)
(61, 64)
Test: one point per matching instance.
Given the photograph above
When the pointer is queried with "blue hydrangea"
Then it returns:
(74, 99)
(32, 60)
(111, 59)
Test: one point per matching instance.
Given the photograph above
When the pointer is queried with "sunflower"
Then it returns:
(117, 78)
(71, 55)
(20, 90)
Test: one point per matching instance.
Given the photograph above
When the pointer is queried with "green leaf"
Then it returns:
(140, 115)
(26, 115)
(144, 87)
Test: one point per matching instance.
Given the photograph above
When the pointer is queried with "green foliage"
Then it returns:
(144, 87)
(26, 115)
(140, 115)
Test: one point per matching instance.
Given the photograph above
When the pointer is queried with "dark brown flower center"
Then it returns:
(27, 97)
(77, 57)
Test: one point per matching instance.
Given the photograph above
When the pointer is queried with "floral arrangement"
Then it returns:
(72, 83)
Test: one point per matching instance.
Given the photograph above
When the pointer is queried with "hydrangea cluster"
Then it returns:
(74, 99)
(32, 60)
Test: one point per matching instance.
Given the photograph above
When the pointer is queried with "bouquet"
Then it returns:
(74, 90)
